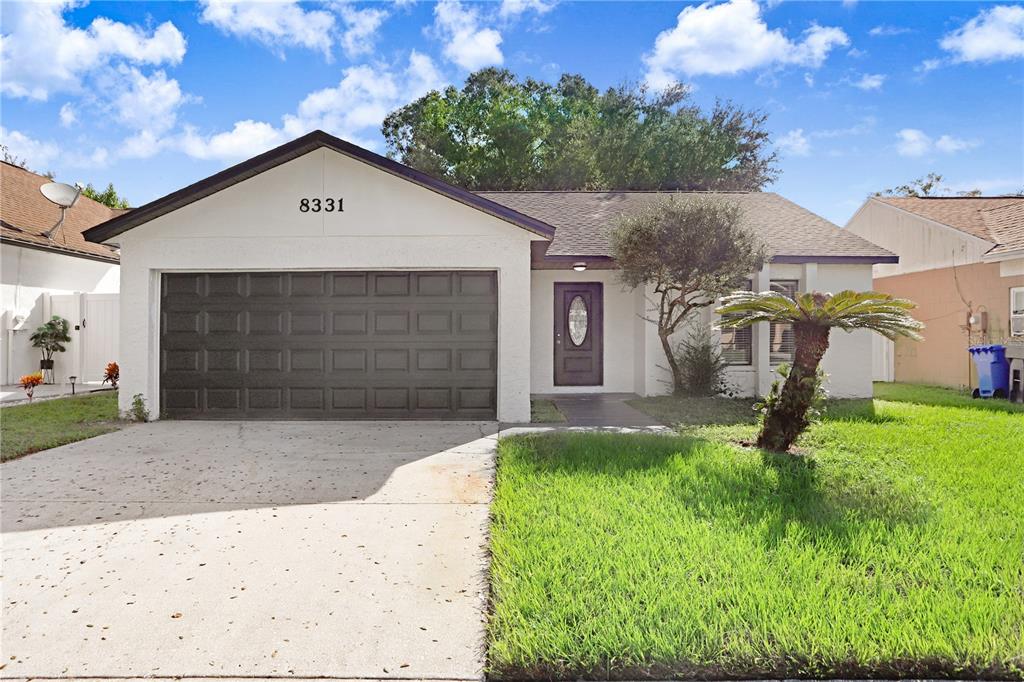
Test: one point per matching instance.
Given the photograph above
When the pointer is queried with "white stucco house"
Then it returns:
(321, 280)
(44, 274)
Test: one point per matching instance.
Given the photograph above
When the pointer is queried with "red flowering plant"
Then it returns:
(111, 374)
(29, 383)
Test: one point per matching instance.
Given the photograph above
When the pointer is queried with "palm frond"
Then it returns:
(848, 310)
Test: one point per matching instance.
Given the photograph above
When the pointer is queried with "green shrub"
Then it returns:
(701, 364)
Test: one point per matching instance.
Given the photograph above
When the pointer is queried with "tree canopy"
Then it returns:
(109, 196)
(501, 133)
(690, 252)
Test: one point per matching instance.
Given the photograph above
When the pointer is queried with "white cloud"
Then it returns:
(467, 43)
(996, 34)
(794, 143)
(41, 54)
(36, 154)
(147, 105)
(72, 157)
(142, 145)
(353, 110)
(862, 127)
(68, 117)
(928, 65)
(516, 8)
(365, 95)
(915, 143)
(912, 142)
(809, 79)
(885, 30)
(275, 24)
(870, 81)
(148, 102)
(361, 27)
(731, 37)
(950, 145)
(247, 138)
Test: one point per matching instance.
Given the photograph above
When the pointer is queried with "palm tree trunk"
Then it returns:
(786, 418)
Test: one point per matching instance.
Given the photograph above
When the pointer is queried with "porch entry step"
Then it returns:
(600, 409)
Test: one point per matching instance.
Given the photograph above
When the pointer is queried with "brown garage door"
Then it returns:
(329, 345)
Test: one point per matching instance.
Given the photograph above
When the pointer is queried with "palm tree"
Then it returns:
(813, 315)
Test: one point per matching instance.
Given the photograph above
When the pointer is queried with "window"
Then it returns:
(1017, 311)
(781, 341)
(737, 344)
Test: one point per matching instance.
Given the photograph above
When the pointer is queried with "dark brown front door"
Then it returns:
(579, 334)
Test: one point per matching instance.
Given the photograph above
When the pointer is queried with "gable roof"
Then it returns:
(994, 219)
(1006, 224)
(26, 215)
(791, 233)
(294, 149)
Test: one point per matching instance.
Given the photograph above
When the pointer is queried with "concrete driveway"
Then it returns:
(297, 549)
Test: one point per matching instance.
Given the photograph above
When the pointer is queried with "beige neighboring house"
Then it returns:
(61, 274)
(962, 261)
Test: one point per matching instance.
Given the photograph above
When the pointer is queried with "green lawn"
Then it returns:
(543, 411)
(895, 548)
(46, 424)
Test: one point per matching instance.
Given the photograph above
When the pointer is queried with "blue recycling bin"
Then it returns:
(993, 371)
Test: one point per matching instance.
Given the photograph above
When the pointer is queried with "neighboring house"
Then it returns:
(35, 268)
(321, 280)
(962, 262)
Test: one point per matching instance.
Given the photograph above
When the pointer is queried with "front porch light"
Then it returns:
(579, 267)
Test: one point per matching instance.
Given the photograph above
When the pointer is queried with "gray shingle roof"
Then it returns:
(582, 221)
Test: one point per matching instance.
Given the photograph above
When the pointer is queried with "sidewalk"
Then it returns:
(13, 394)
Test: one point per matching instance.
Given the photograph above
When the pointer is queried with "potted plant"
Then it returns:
(50, 339)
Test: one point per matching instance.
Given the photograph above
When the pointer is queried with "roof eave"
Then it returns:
(826, 260)
(292, 150)
(112, 259)
(1003, 255)
(836, 260)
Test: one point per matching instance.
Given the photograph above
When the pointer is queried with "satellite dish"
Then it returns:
(64, 196)
(61, 194)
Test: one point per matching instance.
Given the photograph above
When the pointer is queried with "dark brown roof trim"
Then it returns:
(64, 251)
(835, 260)
(825, 260)
(294, 149)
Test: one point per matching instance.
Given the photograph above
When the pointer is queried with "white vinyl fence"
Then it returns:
(94, 332)
(883, 359)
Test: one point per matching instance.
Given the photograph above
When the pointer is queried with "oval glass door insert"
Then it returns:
(578, 321)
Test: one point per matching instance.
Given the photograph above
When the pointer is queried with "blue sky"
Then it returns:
(860, 95)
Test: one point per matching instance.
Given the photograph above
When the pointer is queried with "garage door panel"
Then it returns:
(329, 345)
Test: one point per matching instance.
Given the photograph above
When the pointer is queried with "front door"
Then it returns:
(579, 334)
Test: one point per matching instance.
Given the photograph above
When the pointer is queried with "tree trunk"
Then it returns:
(786, 418)
(673, 364)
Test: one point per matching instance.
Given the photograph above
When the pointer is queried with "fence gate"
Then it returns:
(94, 332)
(883, 356)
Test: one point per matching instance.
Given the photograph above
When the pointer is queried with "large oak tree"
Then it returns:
(501, 133)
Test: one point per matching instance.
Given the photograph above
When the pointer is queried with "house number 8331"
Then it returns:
(328, 205)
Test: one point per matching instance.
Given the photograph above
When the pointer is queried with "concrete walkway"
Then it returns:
(15, 394)
(601, 409)
(245, 549)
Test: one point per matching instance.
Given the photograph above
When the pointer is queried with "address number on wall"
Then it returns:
(328, 205)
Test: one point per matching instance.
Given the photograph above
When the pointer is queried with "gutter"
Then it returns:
(112, 260)
(1005, 255)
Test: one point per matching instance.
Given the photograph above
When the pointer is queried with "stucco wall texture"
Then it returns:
(944, 298)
